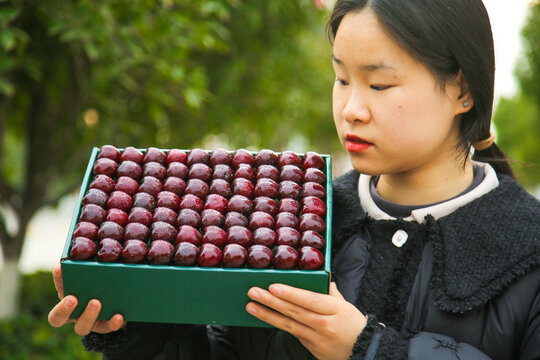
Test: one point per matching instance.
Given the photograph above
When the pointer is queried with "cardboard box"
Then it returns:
(173, 294)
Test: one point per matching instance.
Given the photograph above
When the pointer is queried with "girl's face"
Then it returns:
(390, 114)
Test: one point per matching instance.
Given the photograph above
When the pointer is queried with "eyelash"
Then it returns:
(374, 87)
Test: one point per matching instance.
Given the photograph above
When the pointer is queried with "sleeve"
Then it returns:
(151, 341)
(530, 350)
(380, 342)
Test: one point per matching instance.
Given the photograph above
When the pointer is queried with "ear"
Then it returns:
(461, 95)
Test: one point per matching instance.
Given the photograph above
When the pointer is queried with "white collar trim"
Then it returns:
(489, 183)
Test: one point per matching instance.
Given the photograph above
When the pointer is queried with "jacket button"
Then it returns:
(399, 238)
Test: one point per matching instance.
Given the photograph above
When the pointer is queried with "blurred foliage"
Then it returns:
(518, 119)
(29, 336)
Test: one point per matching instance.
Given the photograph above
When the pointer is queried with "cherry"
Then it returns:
(267, 171)
(314, 205)
(259, 219)
(175, 185)
(311, 222)
(164, 214)
(110, 250)
(291, 173)
(222, 171)
(314, 175)
(214, 235)
(200, 171)
(220, 187)
(234, 256)
(144, 200)
(118, 216)
(105, 166)
(265, 204)
(239, 235)
(289, 189)
(134, 251)
(285, 257)
(242, 186)
(177, 169)
(103, 182)
(160, 252)
(220, 156)
(163, 231)
(264, 236)
(259, 257)
(196, 187)
(154, 169)
(313, 239)
(245, 171)
(288, 157)
(190, 201)
(210, 255)
(82, 248)
(212, 217)
(266, 187)
(93, 213)
(187, 233)
(313, 189)
(140, 215)
(289, 205)
(176, 155)
(150, 185)
(154, 154)
(185, 254)
(288, 236)
(132, 154)
(266, 157)
(127, 185)
(188, 217)
(109, 229)
(310, 258)
(313, 160)
(136, 231)
(234, 218)
(85, 229)
(120, 200)
(196, 156)
(241, 204)
(130, 168)
(95, 196)
(169, 200)
(242, 156)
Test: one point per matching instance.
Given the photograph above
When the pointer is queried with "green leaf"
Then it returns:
(6, 88)
(7, 39)
(7, 15)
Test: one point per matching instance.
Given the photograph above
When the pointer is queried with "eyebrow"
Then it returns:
(370, 67)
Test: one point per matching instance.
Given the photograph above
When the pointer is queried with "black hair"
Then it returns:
(447, 36)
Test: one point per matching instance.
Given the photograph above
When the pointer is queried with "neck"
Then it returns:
(426, 186)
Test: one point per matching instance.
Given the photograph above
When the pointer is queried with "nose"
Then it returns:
(356, 109)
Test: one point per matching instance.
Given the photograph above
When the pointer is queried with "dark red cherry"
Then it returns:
(259, 219)
(242, 186)
(288, 236)
(288, 157)
(265, 204)
(234, 256)
(106, 167)
(267, 171)
(85, 229)
(239, 235)
(313, 189)
(313, 239)
(187, 233)
(154, 169)
(216, 202)
(136, 231)
(286, 219)
(144, 200)
(190, 201)
(109, 229)
(200, 171)
(266, 187)
(188, 217)
(130, 169)
(164, 214)
(163, 231)
(177, 169)
(169, 200)
(242, 156)
(150, 185)
(160, 252)
(198, 156)
(103, 182)
(310, 258)
(93, 213)
(110, 250)
(214, 235)
(259, 257)
(196, 187)
(212, 217)
(241, 204)
(312, 160)
(289, 189)
(220, 187)
(245, 171)
(220, 156)
(140, 215)
(82, 248)
(127, 185)
(185, 254)
(289, 205)
(266, 157)
(285, 257)
(313, 205)
(95, 196)
(264, 236)
(132, 154)
(222, 171)
(134, 251)
(118, 216)
(120, 200)
(176, 155)
(311, 222)
(175, 185)
(291, 173)
(154, 154)
(314, 175)
(210, 255)
(234, 218)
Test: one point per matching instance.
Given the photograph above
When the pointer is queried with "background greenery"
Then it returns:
(168, 73)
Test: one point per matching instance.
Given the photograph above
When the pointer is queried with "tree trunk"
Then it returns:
(9, 288)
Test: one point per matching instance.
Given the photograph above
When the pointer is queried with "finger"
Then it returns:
(319, 303)
(58, 283)
(59, 315)
(335, 292)
(116, 322)
(85, 323)
(280, 321)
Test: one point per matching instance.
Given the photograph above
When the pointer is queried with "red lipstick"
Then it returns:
(356, 144)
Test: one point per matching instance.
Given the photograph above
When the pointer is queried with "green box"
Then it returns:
(174, 294)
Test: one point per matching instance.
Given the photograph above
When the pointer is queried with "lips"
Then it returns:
(357, 144)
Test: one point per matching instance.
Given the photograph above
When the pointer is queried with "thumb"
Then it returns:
(335, 292)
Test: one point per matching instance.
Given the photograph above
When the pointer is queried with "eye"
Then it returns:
(380, 87)
(341, 82)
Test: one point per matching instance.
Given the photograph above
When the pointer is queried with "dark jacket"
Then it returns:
(465, 286)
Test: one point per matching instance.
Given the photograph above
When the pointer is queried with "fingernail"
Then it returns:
(70, 302)
(252, 309)
(93, 305)
(276, 289)
(254, 293)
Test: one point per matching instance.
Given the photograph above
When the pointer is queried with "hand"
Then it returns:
(87, 322)
(327, 325)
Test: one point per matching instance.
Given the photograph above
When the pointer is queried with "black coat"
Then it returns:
(474, 292)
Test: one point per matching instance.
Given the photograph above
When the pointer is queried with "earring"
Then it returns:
(465, 104)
